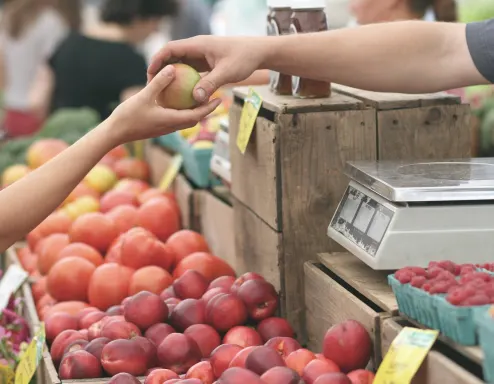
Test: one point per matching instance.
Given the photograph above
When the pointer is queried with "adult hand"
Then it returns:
(226, 59)
(140, 117)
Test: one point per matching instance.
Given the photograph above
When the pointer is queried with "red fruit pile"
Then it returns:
(463, 284)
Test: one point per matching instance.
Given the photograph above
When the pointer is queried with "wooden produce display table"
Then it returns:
(289, 182)
(340, 287)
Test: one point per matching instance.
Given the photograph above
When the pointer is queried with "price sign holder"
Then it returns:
(405, 356)
(251, 108)
(30, 359)
(10, 283)
(171, 173)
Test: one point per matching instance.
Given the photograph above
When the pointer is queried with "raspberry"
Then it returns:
(466, 269)
(447, 265)
(432, 264)
(478, 299)
(427, 286)
(404, 277)
(456, 297)
(440, 287)
(434, 271)
(445, 276)
(418, 281)
(419, 271)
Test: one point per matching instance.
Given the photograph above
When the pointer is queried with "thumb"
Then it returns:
(160, 81)
(210, 83)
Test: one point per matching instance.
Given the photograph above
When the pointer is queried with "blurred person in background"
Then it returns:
(192, 19)
(370, 11)
(30, 32)
(100, 67)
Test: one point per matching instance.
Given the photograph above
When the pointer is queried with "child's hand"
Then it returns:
(140, 117)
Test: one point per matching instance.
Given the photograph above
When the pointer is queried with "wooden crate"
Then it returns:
(216, 224)
(411, 127)
(329, 302)
(291, 178)
(158, 159)
(437, 368)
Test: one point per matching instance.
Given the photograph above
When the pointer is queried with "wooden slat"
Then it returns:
(313, 151)
(439, 132)
(255, 174)
(370, 283)
(158, 159)
(436, 368)
(328, 303)
(217, 227)
(257, 246)
(289, 104)
(185, 195)
(386, 100)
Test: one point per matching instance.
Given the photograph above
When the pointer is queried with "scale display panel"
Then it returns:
(362, 220)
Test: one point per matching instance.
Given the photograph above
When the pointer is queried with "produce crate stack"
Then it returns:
(289, 182)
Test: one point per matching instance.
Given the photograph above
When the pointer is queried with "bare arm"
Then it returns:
(42, 91)
(408, 57)
(26, 203)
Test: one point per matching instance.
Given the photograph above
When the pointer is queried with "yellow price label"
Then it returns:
(31, 358)
(7, 375)
(405, 356)
(171, 173)
(251, 108)
(139, 149)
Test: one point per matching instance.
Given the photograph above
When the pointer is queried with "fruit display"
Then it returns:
(445, 296)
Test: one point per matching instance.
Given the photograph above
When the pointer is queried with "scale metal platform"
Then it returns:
(396, 214)
(220, 161)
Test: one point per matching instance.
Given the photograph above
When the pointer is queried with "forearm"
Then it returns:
(30, 200)
(408, 57)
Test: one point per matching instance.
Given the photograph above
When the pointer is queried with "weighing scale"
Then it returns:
(395, 214)
(220, 161)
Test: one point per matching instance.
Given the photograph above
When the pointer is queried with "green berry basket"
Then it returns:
(485, 328)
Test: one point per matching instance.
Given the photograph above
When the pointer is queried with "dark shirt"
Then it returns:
(480, 39)
(93, 73)
(192, 19)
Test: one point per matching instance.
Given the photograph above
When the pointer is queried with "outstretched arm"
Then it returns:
(26, 203)
(408, 57)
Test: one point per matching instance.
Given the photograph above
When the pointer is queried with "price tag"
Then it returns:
(248, 118)
(171, 173)
(10, 283)
(405, 355)
(31, 358)
(7, 375)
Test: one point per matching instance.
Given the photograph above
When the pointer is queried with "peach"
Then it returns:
(281, 375)
(95, 347)
(222, 282)
(115, 310)
(120, 330)
(132, 168)
(149, 348)
(124, 378)
(173, 381)
(158, 332)
(91, 318)
(80, 365)
(239, 376)
(205, 336)
(94, 331)
(113, 199)
(262, 359)
(124, 356)
(333, 378)
(158, 376)
(317, 368)
(41, 151)
(179, 94)
(283, 345)
(178, 353)
(186, 313)
(61, 342)
(13, 174)
(298, 360)
(202, 371)
(151, 278)
(213, 293)
(242, 336)
(75, 346)
(191, 285)
(84, 312)
(59, 322)
(240, 357)
(84, 333)
(222, 356)
(145, 309)
(349, 345)
(168, 293)
(274, 327)
(124, 217)
(361, 376)
(224, 312)
(260, 298)
(242, 279)
(172, 300)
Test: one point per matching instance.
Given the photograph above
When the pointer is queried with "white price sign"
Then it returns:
(10, 283)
